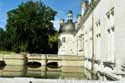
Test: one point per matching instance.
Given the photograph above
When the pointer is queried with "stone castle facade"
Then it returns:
(98, 33)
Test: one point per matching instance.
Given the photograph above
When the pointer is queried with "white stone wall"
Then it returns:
(74, 45)
(100, 31)
(88, 37)
(79, 45)
(103, 40)
(120, 31)
(108, 44)
(101, 25)
(67, 47)
(109, 32)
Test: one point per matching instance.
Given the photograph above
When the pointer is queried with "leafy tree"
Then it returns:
(6, 39)
(29, 28)
(53, 43)
(1, 39)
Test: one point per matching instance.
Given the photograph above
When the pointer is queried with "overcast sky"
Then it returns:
(61, 6)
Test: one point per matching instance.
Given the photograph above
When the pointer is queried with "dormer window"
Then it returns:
(112, 11)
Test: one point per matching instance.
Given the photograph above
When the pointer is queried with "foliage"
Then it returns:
(30, 29)
(6, 52)
(2, 36)
(53, 42)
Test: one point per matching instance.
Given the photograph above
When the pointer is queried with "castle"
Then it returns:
(98, 35)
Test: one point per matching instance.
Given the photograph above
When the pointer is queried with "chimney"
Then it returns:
(84, 7)
(90, 1)
(78, 18)
(70, 15)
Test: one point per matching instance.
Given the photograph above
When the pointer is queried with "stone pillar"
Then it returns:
(44, 60)
(1, 57)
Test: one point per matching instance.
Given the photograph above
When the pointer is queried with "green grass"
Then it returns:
(7, 52)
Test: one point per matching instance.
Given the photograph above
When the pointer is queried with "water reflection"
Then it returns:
(46, 72)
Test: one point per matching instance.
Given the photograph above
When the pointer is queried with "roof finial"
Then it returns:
(70, 15)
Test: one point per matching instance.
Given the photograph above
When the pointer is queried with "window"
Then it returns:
(59, 43)
(63, 39)
(113, 29)
(98, 24)
(110, 20)
(108, 30)
(99, 34)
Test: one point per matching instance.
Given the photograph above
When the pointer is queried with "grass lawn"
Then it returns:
(7, 52)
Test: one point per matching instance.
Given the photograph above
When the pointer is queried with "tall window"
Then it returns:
(63, 39)
(98, 24)
(110, 19)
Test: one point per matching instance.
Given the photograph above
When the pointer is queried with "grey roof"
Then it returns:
(68, 27)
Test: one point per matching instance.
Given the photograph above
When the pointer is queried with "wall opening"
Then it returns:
(2, 64)
(34, 64)
(53, 65)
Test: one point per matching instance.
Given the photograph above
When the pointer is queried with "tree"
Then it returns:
(2, 47)
(30, 26)
(53, 43)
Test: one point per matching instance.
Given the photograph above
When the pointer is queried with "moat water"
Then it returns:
(46, 72)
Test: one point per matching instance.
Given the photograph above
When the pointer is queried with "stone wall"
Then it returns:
(120, 31)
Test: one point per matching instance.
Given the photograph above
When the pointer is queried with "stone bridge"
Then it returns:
(43, 59)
